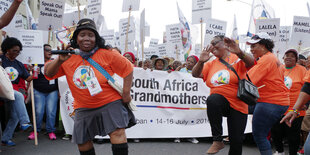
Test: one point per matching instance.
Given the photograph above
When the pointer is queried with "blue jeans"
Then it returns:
(307, 146)
(18, 114)
(264, 117)
(46, 102)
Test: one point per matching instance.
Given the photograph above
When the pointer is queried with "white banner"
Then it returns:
(300, 37)
(108, 36)
(271, 27)
(201, 11)
(32, 41)
(214, 27)
(51, 14)
(133, 4)
(94, 9)
(169, 105)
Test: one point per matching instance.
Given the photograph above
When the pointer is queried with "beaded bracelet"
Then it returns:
(295, 111)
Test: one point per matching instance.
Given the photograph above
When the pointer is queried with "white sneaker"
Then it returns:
(193, 140)
(136, 140)
(277, 153)
(177, 140)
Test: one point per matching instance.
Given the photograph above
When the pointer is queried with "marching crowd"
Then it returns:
(100, 109)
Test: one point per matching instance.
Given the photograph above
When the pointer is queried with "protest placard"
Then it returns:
(94, 9)
(284, 39)
(142, 26)
(71, 18)
(153, 42)
(300, 35)
(4, 6)
(51, 14)
(108, 36)
(201, 10)
(271, 27)
(214, 27)
(162, 50)
(197, 49)
(32, 41)
(174, 41)
(133, 4)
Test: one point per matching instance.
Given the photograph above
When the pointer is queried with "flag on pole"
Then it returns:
(308, 8)
(186, 35)
(31, 25)
(260, 10)
(234, 34)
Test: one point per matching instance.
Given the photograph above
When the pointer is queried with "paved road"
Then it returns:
(145, 147)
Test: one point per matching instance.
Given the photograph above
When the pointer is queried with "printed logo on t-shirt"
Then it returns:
(220, 78)
(81, 75)
(12, 72)
(42, 70)
(288, 82)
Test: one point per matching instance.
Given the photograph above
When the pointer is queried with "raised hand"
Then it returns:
(232, 46)
(205, 54)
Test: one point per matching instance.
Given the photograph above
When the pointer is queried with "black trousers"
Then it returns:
(279, 131)
(217, 107)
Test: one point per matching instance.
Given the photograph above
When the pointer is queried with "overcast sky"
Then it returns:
(160, 13)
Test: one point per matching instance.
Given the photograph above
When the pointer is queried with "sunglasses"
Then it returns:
(47, 50)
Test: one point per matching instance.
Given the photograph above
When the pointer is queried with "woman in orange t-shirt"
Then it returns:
(223, 99)
(99, 108)
(293, 78)
(274, 96)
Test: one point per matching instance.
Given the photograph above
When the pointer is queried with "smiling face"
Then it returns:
(258, 50)
(289, 59)
(159, 65)
(219, 47)
(86, 39)
(128, 56)
(13, 52)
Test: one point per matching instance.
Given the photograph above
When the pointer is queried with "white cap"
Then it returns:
(258, 37)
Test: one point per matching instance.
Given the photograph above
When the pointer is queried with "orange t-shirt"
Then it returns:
(223, 81)
(293, 79)
(307, 77)
(267, 75)
(78, 71)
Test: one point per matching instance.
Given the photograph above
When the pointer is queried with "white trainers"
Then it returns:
(278, 153)
(193, 140)
(177, 140)
(136, 140)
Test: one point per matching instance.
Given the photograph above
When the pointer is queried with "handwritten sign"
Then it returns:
(51, 14)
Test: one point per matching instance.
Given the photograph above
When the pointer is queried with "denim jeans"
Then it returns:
(264, 117)
(46, 102)
(18, 114)
(307, 146)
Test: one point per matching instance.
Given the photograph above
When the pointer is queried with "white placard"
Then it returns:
(147, 30)
(32, 41)
(174, 40)
(142, 26)
(148, 52)
(153, 42)
(71, 18)
(300, 37)
(162, 51)
(201, 10)
(108, 36)
(133, 4)
(214, 27)
(51, 14)
(197, 49)
(94, 9)
(271, 27)
(131, 34)
(284, 39)
(16, 24)
(4, 6)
